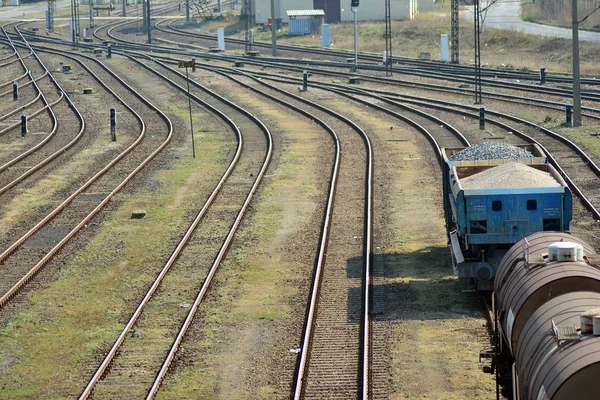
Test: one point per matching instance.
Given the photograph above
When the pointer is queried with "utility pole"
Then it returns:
(477, 71)
(51, 7)
(187, 11)
(248, 13)
(388, 38)
(75, 33)
(576, 78)
(124, 7)
(148, 21)
(91, 11)
(454, 30)
(273, 29)
(186, 65)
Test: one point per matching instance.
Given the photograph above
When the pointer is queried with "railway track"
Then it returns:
(217, 222)
(447, 78)
(48, 236)
(46, 150)
(576, 166)
(323, 356)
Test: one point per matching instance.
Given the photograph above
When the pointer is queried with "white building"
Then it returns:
(340, 11)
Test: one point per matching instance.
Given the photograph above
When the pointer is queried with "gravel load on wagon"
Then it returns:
(491, 151)
(509, 176)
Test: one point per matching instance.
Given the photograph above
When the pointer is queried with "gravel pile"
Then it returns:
(491, 151)
(510, 175)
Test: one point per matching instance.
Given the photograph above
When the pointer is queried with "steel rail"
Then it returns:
(28, 83)
(21, 108)
(108, 358)
(368, 253)
(463, 140)
(34, 148)
(395, 81)
(16, 79)
(14, 61)
(503, 97)
(498, 96)
(220, 256)
(326, 224)
(23, 281)
(450, 106)
(37, 88)
(586, 202)
(438, 66)
(430, 86)
(25, 154)
(589, 163)
(7, 57)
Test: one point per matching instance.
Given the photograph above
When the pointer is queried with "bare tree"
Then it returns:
(203, 9)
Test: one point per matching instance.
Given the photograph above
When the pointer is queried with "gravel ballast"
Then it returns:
(510, 175)
(492, 151)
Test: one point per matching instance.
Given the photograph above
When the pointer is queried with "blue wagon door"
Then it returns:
(333, 12)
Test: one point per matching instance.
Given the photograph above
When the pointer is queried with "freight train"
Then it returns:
(492, 203)
(546, 307)
(508, 220)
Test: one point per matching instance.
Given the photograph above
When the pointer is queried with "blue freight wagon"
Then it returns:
(491, 204)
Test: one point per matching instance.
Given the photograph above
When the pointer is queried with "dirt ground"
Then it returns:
(427, 330)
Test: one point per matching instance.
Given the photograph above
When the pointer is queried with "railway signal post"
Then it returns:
(15, 90)
(24, 124)
(354, 7)
(113, 124)
(186, 65)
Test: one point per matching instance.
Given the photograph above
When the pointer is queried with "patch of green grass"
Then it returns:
(252, 283)
(69, 321)
(28, 201)
(587, 137)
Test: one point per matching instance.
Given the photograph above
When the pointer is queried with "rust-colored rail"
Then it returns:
(25, 279)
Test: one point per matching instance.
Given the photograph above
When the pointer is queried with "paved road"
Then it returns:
(505, 14)
(35, 10)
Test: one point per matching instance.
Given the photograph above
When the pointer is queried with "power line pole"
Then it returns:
(187, 11)
(91, 11)
(354, 7)
(388, 38)
(273, 29)
(75, 31)
(576, 78)
(51, 8)
(148, 21)
(454, 30)
(248, 12)
(477, 46)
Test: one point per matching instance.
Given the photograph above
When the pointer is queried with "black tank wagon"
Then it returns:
(543, 284)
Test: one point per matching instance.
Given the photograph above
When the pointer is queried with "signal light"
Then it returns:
(354, 3)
